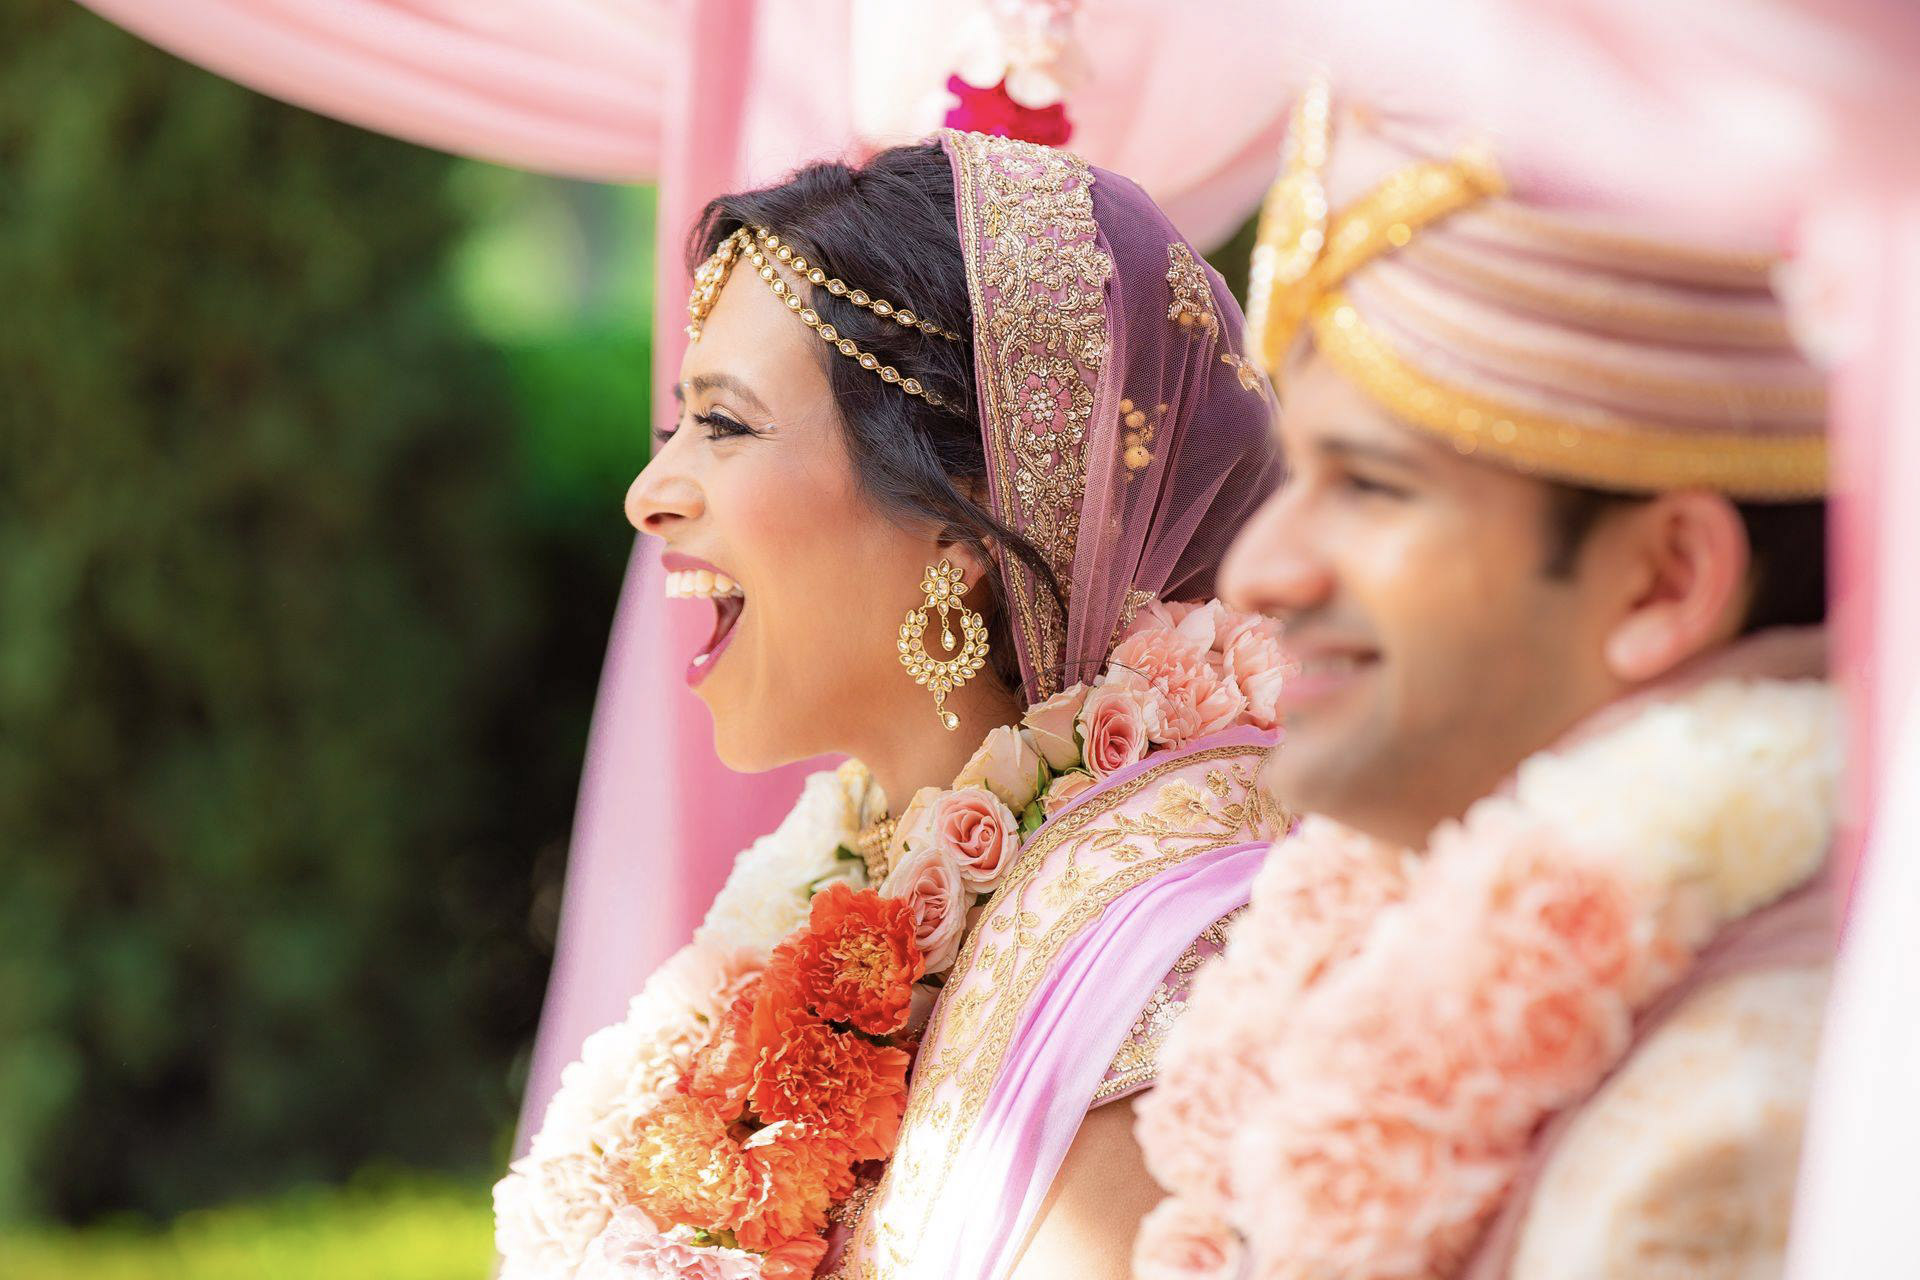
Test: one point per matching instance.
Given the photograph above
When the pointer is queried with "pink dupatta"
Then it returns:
(1128, 438)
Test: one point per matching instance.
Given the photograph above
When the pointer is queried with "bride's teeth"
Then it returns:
(700, 659)
(701, 584)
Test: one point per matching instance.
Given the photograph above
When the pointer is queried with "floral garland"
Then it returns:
(760, 1076)
(1357, 1080)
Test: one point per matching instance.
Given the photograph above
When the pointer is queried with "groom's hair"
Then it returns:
(1787, 542)
(889, 227)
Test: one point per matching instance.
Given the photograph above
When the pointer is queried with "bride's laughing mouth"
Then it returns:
(691, 579)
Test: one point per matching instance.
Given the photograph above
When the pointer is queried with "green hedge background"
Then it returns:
(311, 452)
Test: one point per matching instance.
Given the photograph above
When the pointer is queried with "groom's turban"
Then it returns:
(1548, 338)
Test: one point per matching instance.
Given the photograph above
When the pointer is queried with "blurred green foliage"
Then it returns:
(372, 1230)
(304, 582)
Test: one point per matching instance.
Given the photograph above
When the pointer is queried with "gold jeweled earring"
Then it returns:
(944, 585)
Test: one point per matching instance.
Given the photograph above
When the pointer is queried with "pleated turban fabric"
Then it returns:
(1555, 340)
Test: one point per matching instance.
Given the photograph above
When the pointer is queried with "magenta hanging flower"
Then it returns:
(994, 111)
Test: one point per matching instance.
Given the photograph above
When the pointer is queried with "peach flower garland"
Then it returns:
(759, 1079)
(1356, 1080)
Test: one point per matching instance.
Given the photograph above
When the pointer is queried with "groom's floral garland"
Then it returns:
(761, 1074)
(1356, 1080)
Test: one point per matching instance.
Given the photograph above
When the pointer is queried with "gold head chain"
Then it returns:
(762, 248)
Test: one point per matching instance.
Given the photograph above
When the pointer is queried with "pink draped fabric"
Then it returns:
(574, 87)
(1062, 1045)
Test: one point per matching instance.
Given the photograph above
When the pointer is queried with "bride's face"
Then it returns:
(798, 583)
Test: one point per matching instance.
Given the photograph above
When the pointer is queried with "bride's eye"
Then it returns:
(720, 427)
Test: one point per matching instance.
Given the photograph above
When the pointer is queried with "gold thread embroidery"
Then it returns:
(1383, 219)
(1037, 278)
(968, 1036)
(1138, 428)
(1192, 306)
(1137, 1061)
(1246, 370)
(1633, 456)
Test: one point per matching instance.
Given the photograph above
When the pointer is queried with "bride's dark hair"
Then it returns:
(889, 227)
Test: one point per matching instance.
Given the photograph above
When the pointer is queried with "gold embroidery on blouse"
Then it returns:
(1037, 278)
(1192, 307)
(972, 1028)
(1137, 1062)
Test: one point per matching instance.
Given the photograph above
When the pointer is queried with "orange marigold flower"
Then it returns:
(855, 961)
(685, 1168)
(796, 1178)
(833, 1082)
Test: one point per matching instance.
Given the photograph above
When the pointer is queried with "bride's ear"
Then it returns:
(973, 563)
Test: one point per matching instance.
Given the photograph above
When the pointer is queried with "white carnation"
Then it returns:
(1730, 789)
(766, 894)
(557, 1200)
(548, 1212)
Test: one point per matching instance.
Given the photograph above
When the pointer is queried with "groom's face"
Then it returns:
(1435, 647)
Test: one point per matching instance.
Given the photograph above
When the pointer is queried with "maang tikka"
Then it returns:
(944, 585)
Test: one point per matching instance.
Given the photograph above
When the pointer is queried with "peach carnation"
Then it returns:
(1178, 1240)
(684, 1167)
(1251, 657)
(856, 961)
(1196, 699)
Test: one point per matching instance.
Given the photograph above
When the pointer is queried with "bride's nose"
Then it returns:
(660, 499)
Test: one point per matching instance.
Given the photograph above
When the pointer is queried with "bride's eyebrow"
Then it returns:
(728, 383)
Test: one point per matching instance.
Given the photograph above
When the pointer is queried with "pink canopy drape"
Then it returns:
(704, 96)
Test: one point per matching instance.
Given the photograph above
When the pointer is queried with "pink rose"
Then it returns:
(1251, 658)
(1181, 1241)
(1007, 764)
(979, 832)
(1064, 790)
(1051, 723)
(928, 881)
(1197, 699)
(1116, 724)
